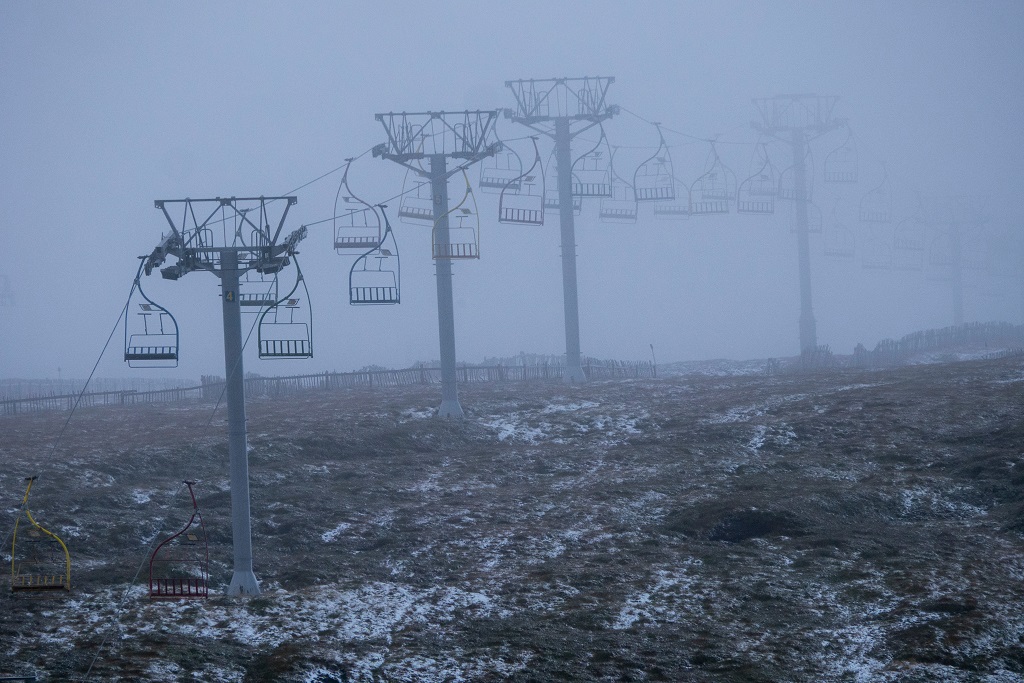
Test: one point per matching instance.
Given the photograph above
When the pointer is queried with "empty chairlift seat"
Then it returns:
(179, 567)
(712, 192)
(654, 180)
(357, 225)
(151, 333)
(39, 558)
(285, 329)
(522, 198)
(375, 276)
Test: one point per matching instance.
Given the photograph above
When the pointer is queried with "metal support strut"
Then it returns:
(808, 328)
(450, 406)
(243, 580)
(563, 161)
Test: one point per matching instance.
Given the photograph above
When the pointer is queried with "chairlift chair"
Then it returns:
(257, 290)
(551, 195)
(40, 562)
(676, 209)
(375, 276)
(839, 243)
(877, 250)
(150, 331)
(417, 204)
(358, 227)
(522, 199)
(501, 172)
(756, 194)
(669, 211)
(621, 206)
(840, 164)
(712, 192)
(179, 567)
(654, 180)
(286, 329)
(876, 205)
(787, 188)
(463, 229)
(909, 246)
(591, 171)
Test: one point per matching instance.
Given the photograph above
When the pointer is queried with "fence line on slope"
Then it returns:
(273, 387)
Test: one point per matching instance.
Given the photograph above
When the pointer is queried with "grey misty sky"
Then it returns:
(108, 106)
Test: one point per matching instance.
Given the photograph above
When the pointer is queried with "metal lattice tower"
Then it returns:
(562, 108)
(798, 119)
(435, 137)
(951, 216)
(229, 237)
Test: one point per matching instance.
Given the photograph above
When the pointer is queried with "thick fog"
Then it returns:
(106, 107)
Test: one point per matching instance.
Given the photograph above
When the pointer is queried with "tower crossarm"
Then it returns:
(543, 100)
(458, 135)
(812, 114)
(203, 229)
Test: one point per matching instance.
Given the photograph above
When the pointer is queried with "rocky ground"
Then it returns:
(840, 526)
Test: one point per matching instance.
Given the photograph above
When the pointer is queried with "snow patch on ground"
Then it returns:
(142, 496)
(371, 612)
(333, 534)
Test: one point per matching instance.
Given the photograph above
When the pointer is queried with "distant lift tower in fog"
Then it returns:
(957, 221)
(229, 237)
(436, 137)
(562, 108)
(798, 119)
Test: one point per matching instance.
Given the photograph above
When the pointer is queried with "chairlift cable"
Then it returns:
(695, 138)
(78, 399)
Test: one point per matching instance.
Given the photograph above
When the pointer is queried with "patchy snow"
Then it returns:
(373, 611)
(567, 407)
(141, 496)
(513, 429)
(416, 414)
(333, 534)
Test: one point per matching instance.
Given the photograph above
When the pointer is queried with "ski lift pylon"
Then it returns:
(286, 328)
(179, 567)
(39, 559)
(654, 180)
(375, 276)
(150, 331)
(522, 199)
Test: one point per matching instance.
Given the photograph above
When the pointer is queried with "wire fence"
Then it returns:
(272, 387)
